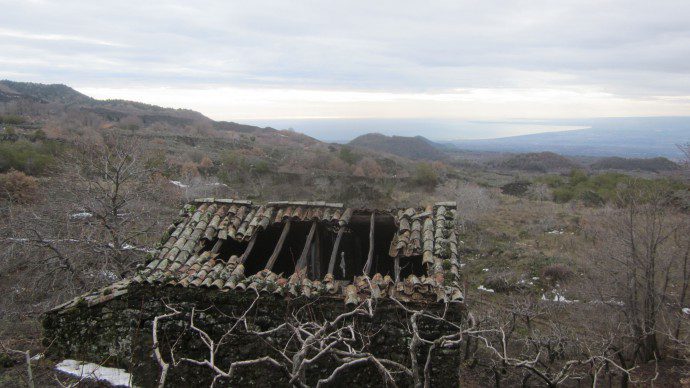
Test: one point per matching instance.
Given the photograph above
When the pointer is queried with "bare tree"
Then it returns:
(548, 352)
(309, 342)
(641, 252)
(102, 215)
(685, 150)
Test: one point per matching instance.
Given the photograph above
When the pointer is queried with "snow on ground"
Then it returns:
(116, 377)
(482, 288)
(179, 184)
(185, 186)
(80, 216)
(558, 298)
(686, 310)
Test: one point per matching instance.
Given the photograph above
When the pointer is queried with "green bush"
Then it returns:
(30, 158)
(425, 175)
(563, 194)
(262, 167)
(596, 190)
(591, 198)
(12, 119)
(577, 176)
(38, 135)
(349, 156)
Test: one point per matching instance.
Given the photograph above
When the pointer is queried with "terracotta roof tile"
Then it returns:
(183, 261)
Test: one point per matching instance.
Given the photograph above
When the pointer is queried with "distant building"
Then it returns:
(220, 253)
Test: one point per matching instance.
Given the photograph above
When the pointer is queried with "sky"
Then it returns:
(383, 61)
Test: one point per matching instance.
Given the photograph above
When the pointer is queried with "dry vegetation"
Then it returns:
(561, 292)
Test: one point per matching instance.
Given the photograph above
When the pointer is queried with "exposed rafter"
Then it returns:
(279, 246)
(334, 253)
(370, 256)
(302, 262)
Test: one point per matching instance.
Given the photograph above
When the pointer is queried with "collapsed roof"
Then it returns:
(308, 249)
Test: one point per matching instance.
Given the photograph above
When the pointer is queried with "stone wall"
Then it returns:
(118, 333)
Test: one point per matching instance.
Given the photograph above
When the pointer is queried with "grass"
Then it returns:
(514, 241)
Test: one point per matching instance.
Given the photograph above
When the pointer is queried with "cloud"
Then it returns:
(238, 103)
(362, 59)
(55, 38)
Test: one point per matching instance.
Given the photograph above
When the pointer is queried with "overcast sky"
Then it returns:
(266, 60)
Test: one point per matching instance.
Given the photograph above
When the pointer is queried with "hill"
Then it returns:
(193, 148)
(418, 147)
(628, 137)
(44, 103)
(635, 164)
(538, 162)
(42, 93)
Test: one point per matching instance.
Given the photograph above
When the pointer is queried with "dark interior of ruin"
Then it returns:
(350, 260)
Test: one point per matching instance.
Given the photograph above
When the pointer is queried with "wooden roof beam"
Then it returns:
(302, 262)
(248, 250)
(370, 256)
(279, 246)
(334, 253)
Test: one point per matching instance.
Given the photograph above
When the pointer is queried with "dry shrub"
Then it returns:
(368, 167)
(517, 188)
(18, 187)
(473, 201)
(557, 272)
(189, 170)
(539, 192)
(504, 281)
(206, 162)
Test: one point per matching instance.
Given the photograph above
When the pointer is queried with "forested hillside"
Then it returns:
(409, 147)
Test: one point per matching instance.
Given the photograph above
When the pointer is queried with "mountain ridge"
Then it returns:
(411, 147)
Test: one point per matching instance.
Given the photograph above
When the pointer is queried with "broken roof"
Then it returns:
(188, 255)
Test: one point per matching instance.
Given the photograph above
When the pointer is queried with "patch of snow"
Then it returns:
(555, 231)
(686, 310)
(558, 298)
(179, 184)
(22, 240)
(116, 377)
(485, 269)
(130, 247)
(462, 264)
(80, 216)
(37, 357)
(482, 288)
(535, 278)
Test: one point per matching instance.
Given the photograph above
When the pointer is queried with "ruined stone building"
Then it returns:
(219, 254)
